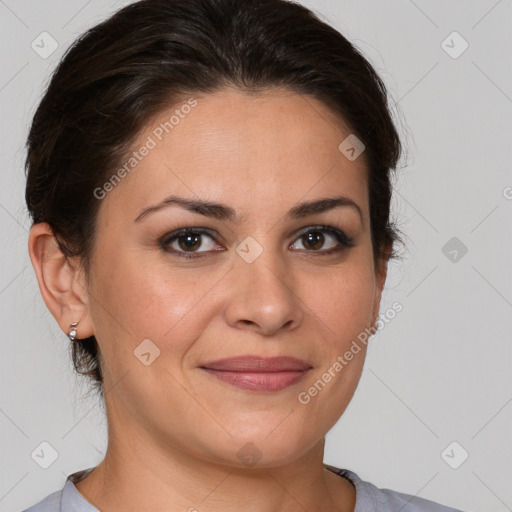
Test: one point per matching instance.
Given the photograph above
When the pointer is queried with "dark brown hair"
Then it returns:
(150, 54)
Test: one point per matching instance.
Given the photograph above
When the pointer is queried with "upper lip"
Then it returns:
(258, 364)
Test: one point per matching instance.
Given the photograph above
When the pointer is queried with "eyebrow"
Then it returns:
(223, 212)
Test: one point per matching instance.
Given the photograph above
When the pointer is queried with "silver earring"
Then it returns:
(72, 331)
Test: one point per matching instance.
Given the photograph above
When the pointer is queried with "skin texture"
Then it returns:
(174, 430)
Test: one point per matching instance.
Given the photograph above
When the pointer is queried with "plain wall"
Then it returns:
(439, 372)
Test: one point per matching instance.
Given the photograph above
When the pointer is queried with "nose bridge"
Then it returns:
(263, 269)
(267, 273)
(263, 288)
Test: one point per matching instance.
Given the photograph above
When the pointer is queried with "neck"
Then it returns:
(138, 475)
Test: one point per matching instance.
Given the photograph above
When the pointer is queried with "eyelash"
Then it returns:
(344, 241)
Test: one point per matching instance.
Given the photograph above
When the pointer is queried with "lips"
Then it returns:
(257, 373)
(258, 364)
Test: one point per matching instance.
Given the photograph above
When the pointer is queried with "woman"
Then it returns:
(209, 182)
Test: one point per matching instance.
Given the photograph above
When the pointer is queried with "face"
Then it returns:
(271, 279)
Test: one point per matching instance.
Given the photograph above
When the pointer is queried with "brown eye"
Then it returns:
(315, 238)
(187, 242)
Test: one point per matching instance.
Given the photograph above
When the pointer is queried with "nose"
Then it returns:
(263, 296)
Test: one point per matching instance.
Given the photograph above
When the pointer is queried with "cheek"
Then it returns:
(342, 300)
(341, 309)
(135, 301)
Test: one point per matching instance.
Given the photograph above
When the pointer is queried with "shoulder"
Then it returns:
(49, 504)
(370, 498)
(67, 499)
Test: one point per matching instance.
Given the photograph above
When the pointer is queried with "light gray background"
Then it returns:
(439, 372)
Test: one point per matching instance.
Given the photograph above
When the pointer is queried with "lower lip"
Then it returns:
(258, 381)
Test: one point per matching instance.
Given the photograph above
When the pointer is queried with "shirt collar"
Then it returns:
(71, 498)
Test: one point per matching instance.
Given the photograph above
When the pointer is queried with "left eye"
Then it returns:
(315, 239)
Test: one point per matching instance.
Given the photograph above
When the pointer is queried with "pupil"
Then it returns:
(188, 239)
(314, 238)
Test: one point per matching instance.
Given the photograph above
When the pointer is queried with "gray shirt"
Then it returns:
(368, 497)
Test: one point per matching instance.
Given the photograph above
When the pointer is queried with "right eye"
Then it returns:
(186, 242)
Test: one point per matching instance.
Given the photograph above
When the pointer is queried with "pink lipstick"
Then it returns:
(256, 373)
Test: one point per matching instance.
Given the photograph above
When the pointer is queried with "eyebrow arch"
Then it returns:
(223, 212)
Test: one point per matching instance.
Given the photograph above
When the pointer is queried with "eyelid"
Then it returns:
(174, 235)
(335, 232)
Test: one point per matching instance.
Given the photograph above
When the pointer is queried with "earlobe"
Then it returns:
(60, 281)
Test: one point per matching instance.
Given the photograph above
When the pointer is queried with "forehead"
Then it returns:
(243, 150)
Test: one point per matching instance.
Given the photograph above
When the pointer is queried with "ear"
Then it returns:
(381, 271)
(61, 281)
